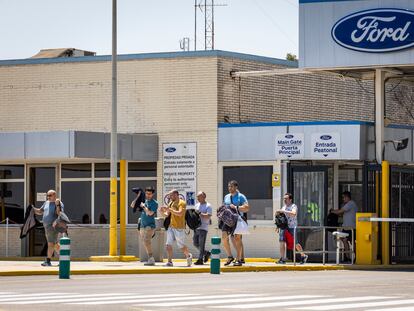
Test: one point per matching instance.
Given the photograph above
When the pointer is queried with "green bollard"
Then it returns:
(64, 258)
(215, 255)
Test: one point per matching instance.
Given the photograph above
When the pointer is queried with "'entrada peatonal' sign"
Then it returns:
(378, 30)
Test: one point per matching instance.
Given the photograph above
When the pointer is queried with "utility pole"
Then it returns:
(113, 248)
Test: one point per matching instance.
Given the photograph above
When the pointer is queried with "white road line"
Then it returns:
(362, 305)
(396, 309)
(203, 301)
(17, 296)
(300, 302)
(112, 297)
(165, 299)
(27, 300)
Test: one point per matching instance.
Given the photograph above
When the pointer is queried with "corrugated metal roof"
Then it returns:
(63, 52)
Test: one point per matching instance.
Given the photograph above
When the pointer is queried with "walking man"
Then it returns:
(176, 231)
(150, 207)
(291, 211)
(348, 213)
(50, 210)
(200, 234)
(237, 201)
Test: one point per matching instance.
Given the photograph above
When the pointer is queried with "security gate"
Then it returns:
(402, 206)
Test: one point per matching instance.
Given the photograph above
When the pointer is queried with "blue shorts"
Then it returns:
(282, 234)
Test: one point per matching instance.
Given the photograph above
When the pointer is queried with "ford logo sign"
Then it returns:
(378, 30)
(170, 149)
(326, 137)
(289, 136)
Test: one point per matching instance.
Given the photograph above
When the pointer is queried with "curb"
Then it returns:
(178, 270)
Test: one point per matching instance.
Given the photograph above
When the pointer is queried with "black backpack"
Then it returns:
(192, 219)
(281, 221)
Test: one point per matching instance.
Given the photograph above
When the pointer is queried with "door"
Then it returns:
(41, 179)
(309, 186)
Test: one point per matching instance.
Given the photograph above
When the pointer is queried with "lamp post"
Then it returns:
(114, 150)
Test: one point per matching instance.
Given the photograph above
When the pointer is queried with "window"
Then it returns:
(255, 182)
(77, 197)
(102, 204)
(137, 169)
(11, 171)
(12, 201)
(104, 170)
(76, 171)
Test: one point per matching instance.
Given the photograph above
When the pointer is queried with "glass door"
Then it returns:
(41, 179)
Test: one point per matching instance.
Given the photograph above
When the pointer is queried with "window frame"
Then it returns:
(18, 180)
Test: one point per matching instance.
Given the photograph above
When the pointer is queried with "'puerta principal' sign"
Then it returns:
(378, 30)
(290, 146)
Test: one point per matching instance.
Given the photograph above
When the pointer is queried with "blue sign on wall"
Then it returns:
(377, 30)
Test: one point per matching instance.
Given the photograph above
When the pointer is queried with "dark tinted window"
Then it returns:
(255, 182)
(147, 169)
(76, 170)
(11, 171)
(76, 195)
(133, 217)
(11, 202)
(102, 202)
(103, 170)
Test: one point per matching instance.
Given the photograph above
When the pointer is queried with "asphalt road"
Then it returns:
(321, 290)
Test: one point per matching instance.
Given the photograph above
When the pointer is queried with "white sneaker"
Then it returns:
(150, 262)
(189, 260)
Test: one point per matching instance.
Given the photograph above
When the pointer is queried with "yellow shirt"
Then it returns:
(178, 222)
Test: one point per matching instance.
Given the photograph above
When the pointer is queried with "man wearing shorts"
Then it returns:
(147, 230)
(50, 211)
(291, 211)
(176, 231)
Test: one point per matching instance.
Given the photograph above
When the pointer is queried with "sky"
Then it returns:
(260, 27)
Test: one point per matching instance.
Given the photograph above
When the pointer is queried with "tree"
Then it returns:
(291, 57)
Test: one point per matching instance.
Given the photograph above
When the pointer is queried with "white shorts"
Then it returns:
(177, 235)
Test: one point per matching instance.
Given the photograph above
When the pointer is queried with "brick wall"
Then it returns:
(298, 97)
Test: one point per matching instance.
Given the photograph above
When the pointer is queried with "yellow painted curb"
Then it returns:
(112, 258)
(175, 270)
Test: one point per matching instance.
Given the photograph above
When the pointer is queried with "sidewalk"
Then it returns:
(24, 268)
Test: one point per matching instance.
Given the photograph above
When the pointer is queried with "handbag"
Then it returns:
(242, 227)
(61, 222)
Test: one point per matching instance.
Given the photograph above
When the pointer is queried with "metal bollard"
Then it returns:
(64, 258)
(215, 255)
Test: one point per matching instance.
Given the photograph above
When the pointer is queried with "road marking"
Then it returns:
(28, 296)
(361, 305)
(165, 299)
(301, 302)
(395, 309)
(46, 298)
(112, 297)
(203, 300)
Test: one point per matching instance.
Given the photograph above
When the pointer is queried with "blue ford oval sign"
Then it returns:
(326, 137)
(378, 30)
(289, 136)
(170, 149)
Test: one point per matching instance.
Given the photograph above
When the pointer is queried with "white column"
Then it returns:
(379, 113)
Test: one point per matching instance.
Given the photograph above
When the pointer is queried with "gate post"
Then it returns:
(385, 213)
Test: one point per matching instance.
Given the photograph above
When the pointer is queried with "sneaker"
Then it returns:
(199, 262)
(46, 264)
(281, 261)
(242, 261)
(304, 259)
(150, 262)
(229, 261)
(169, 264)
(207, 256)
(189, 260)
(237, 263)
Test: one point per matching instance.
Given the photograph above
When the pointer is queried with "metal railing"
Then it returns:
(324, 251)
(7, 221)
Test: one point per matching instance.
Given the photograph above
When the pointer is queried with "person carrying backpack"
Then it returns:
(176, 230)
(200, 234)
(238, 203)
(291, 212)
